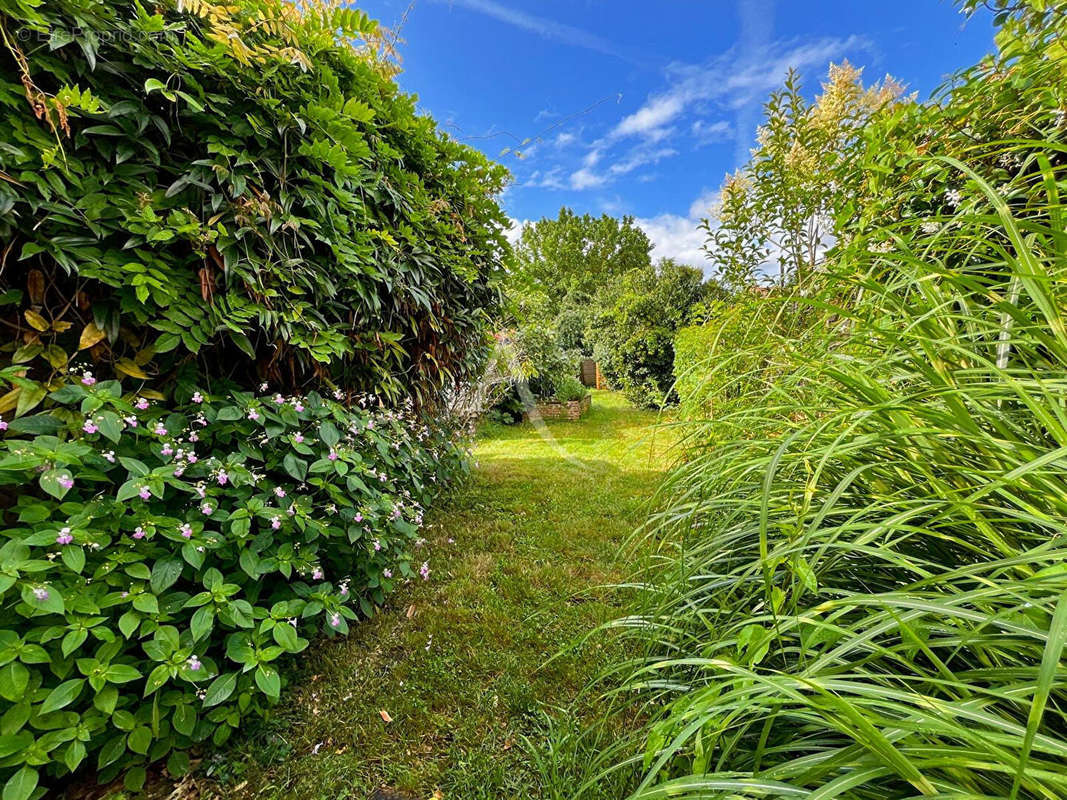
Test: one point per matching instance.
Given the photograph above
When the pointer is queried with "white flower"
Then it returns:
(930, 227)
(953, 197)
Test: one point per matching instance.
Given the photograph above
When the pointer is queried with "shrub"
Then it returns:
(568, 389)
(173, 558)
(634, 325)
(238, 185)
(195, 200)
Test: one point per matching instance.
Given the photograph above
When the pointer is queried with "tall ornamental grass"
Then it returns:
(861, 591)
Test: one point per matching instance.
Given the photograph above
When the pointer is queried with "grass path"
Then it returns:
(457, 663)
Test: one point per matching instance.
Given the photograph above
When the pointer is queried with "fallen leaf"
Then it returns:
(385, 716)
(507, 744)
(438, 794)
(411, 611)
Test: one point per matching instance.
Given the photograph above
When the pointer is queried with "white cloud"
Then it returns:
(730, 80)
(542, 26)
(651, 117)
(711, 132)
(677, 237)
(565, 139)
(585, 178)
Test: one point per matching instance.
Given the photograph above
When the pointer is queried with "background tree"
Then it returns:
(562, 262)
(783, 207)
(633, 329)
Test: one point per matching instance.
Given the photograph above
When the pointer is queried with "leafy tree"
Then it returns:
(633, 328)
(564, 261)
(783, 206)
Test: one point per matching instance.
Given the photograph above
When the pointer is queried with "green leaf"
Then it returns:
(14, 678)
(329, 434)
(269, 681)
(146, 603)
(63, 695)
(21, 785)
(74, 557)
(220, 689)
(56, 482)
(165, 573)
(296, 467)
(156, 678)
(135, 776)
(139, 740)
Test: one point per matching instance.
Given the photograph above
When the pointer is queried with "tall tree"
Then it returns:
(564, 261)
(783, 206)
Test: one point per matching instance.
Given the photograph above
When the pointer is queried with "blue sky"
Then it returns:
(638, 107)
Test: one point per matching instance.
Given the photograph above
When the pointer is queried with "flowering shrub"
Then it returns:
(158, 563)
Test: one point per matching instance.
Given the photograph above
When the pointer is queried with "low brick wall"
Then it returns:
(570, 411)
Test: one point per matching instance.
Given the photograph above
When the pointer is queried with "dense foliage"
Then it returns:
(860, 593)
(196, 199)
(239, 186)
(172, 557)
(634, 325)
(561, 263)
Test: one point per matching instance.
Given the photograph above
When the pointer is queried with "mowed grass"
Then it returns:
(520, 558)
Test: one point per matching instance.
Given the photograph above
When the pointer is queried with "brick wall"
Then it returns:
(571, 411)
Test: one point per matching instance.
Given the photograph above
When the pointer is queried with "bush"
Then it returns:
(634, 325)
(240, 186)
(569, 389)
(172, 559)
(193, 202)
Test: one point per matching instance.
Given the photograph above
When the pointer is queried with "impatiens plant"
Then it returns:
(157, 564)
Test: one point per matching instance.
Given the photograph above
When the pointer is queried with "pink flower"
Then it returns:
(64, 536)
(144, 492)
(88, 379)
(186, 530)
(253, 415)
(424, 570)
(275, 523)
(138, 532)
(131, 421)
(335, 620)
(387, 573)
(298, 406)
(40, 593)
(207, 510)
(279, 491)
(194, 436)
(278, 400)
(358, 518)
(333, 455)
(90, 426)
(222, 477)
(167, 450)
(141, 404)
(291, 511)
(160, 429)
(191, 457)
(3, 424)
(193, 663)
(109, 455)
(65, 481)
(317, 574)
(298, 438)
(344, 590)
(377, 545)
(264, 386)
(197, 397)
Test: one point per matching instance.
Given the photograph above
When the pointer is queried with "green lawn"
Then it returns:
(519, 555)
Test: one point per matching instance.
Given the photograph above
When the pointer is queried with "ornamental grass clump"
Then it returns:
(861, 589)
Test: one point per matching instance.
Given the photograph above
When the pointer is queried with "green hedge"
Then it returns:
(196, 201)
(239, 185)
